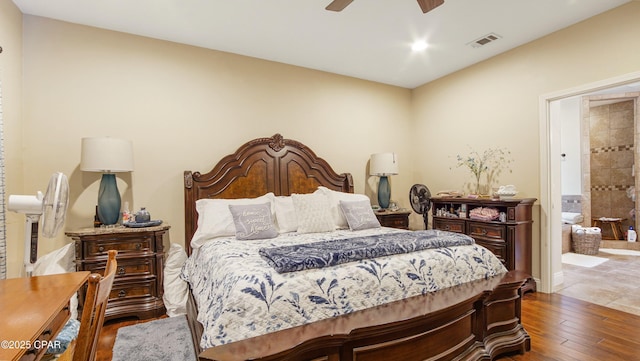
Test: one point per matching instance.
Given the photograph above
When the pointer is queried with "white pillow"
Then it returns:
(359, 215)
(286, 214)
(61, 260)
(312, 212)
(176, 291)
(215, 219)
(334, 204)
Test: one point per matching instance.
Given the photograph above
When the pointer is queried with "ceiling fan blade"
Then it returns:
(428, 5)
(338, 5)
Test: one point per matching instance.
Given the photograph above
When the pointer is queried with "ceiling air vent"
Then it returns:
(489, 38)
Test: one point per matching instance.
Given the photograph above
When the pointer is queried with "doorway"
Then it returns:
(550, 171)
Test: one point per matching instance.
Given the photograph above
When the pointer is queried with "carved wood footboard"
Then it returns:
(474, 321)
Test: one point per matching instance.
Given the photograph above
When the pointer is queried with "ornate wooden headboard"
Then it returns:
(278, 165)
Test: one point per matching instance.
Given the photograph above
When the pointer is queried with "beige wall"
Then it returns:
(11, 80)
(496, 102)
(184, 108)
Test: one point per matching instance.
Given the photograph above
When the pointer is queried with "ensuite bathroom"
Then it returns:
(600, 161)
(599, 165)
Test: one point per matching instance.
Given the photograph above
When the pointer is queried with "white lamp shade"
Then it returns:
(383, 164)
(105, 154)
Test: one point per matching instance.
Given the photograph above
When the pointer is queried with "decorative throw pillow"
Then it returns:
(215, 220)
(359, 215)
(334, 204)
(253, 221)
(286, 214)
(312, 212)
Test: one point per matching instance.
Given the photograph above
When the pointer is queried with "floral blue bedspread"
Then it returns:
(240, 296)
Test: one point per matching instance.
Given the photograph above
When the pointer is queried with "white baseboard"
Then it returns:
(558, 280)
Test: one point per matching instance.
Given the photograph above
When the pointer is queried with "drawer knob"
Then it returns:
(138, 245)
(101, 248)
(121, 270)
(122, 294)
(446, 228)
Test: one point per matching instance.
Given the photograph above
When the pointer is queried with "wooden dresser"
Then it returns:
(510, 239)
(137, 289)
(393, 219)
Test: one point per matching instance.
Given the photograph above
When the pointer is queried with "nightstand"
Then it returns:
(137, 289)
(394, 219)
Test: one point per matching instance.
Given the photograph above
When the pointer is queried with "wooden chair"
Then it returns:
(84, 348)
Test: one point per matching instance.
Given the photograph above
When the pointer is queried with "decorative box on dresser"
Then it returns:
(393, 219)
(510, 238)
(137, 289)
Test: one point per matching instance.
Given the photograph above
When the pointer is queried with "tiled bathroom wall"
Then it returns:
(572, 203)
(611, 138)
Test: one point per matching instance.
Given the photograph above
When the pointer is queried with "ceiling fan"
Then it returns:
(425, 5)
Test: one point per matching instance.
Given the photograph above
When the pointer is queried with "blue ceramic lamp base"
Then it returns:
(108, 200)
(384, 192)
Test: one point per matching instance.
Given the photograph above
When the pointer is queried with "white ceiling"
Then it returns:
(370, 39)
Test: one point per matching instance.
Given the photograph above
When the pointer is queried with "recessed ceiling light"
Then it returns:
(419, 45)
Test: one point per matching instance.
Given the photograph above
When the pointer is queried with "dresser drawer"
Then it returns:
(124, 244)
(497, 247)
(487, 231)
(394, 220)
(142, 266)
(122, 292)
(449, 224)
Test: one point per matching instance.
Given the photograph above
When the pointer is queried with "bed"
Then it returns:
(471, 313)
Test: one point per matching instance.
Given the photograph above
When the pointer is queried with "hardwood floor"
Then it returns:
(567, 329)
(561, 329)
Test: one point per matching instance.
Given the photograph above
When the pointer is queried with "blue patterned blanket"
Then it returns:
(338, 251)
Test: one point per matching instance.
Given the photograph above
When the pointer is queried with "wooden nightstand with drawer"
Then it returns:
(137, 289)
(393, 219)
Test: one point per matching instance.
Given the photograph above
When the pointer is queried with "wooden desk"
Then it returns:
(32, 312)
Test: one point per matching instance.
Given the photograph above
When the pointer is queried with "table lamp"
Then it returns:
(383, 165)
(107, 155)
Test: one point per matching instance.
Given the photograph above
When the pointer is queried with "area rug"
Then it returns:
(166, 339)
(582, 260)
(624, 252)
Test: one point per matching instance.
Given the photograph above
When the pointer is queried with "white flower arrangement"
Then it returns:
(491, 162)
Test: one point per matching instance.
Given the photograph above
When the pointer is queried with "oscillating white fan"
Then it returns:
(52, 207)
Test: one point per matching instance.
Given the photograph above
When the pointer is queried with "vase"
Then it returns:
(384, 192)
(108, 200)
(478, 190)
(143, 216)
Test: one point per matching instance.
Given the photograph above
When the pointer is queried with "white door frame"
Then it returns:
(550, 192)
